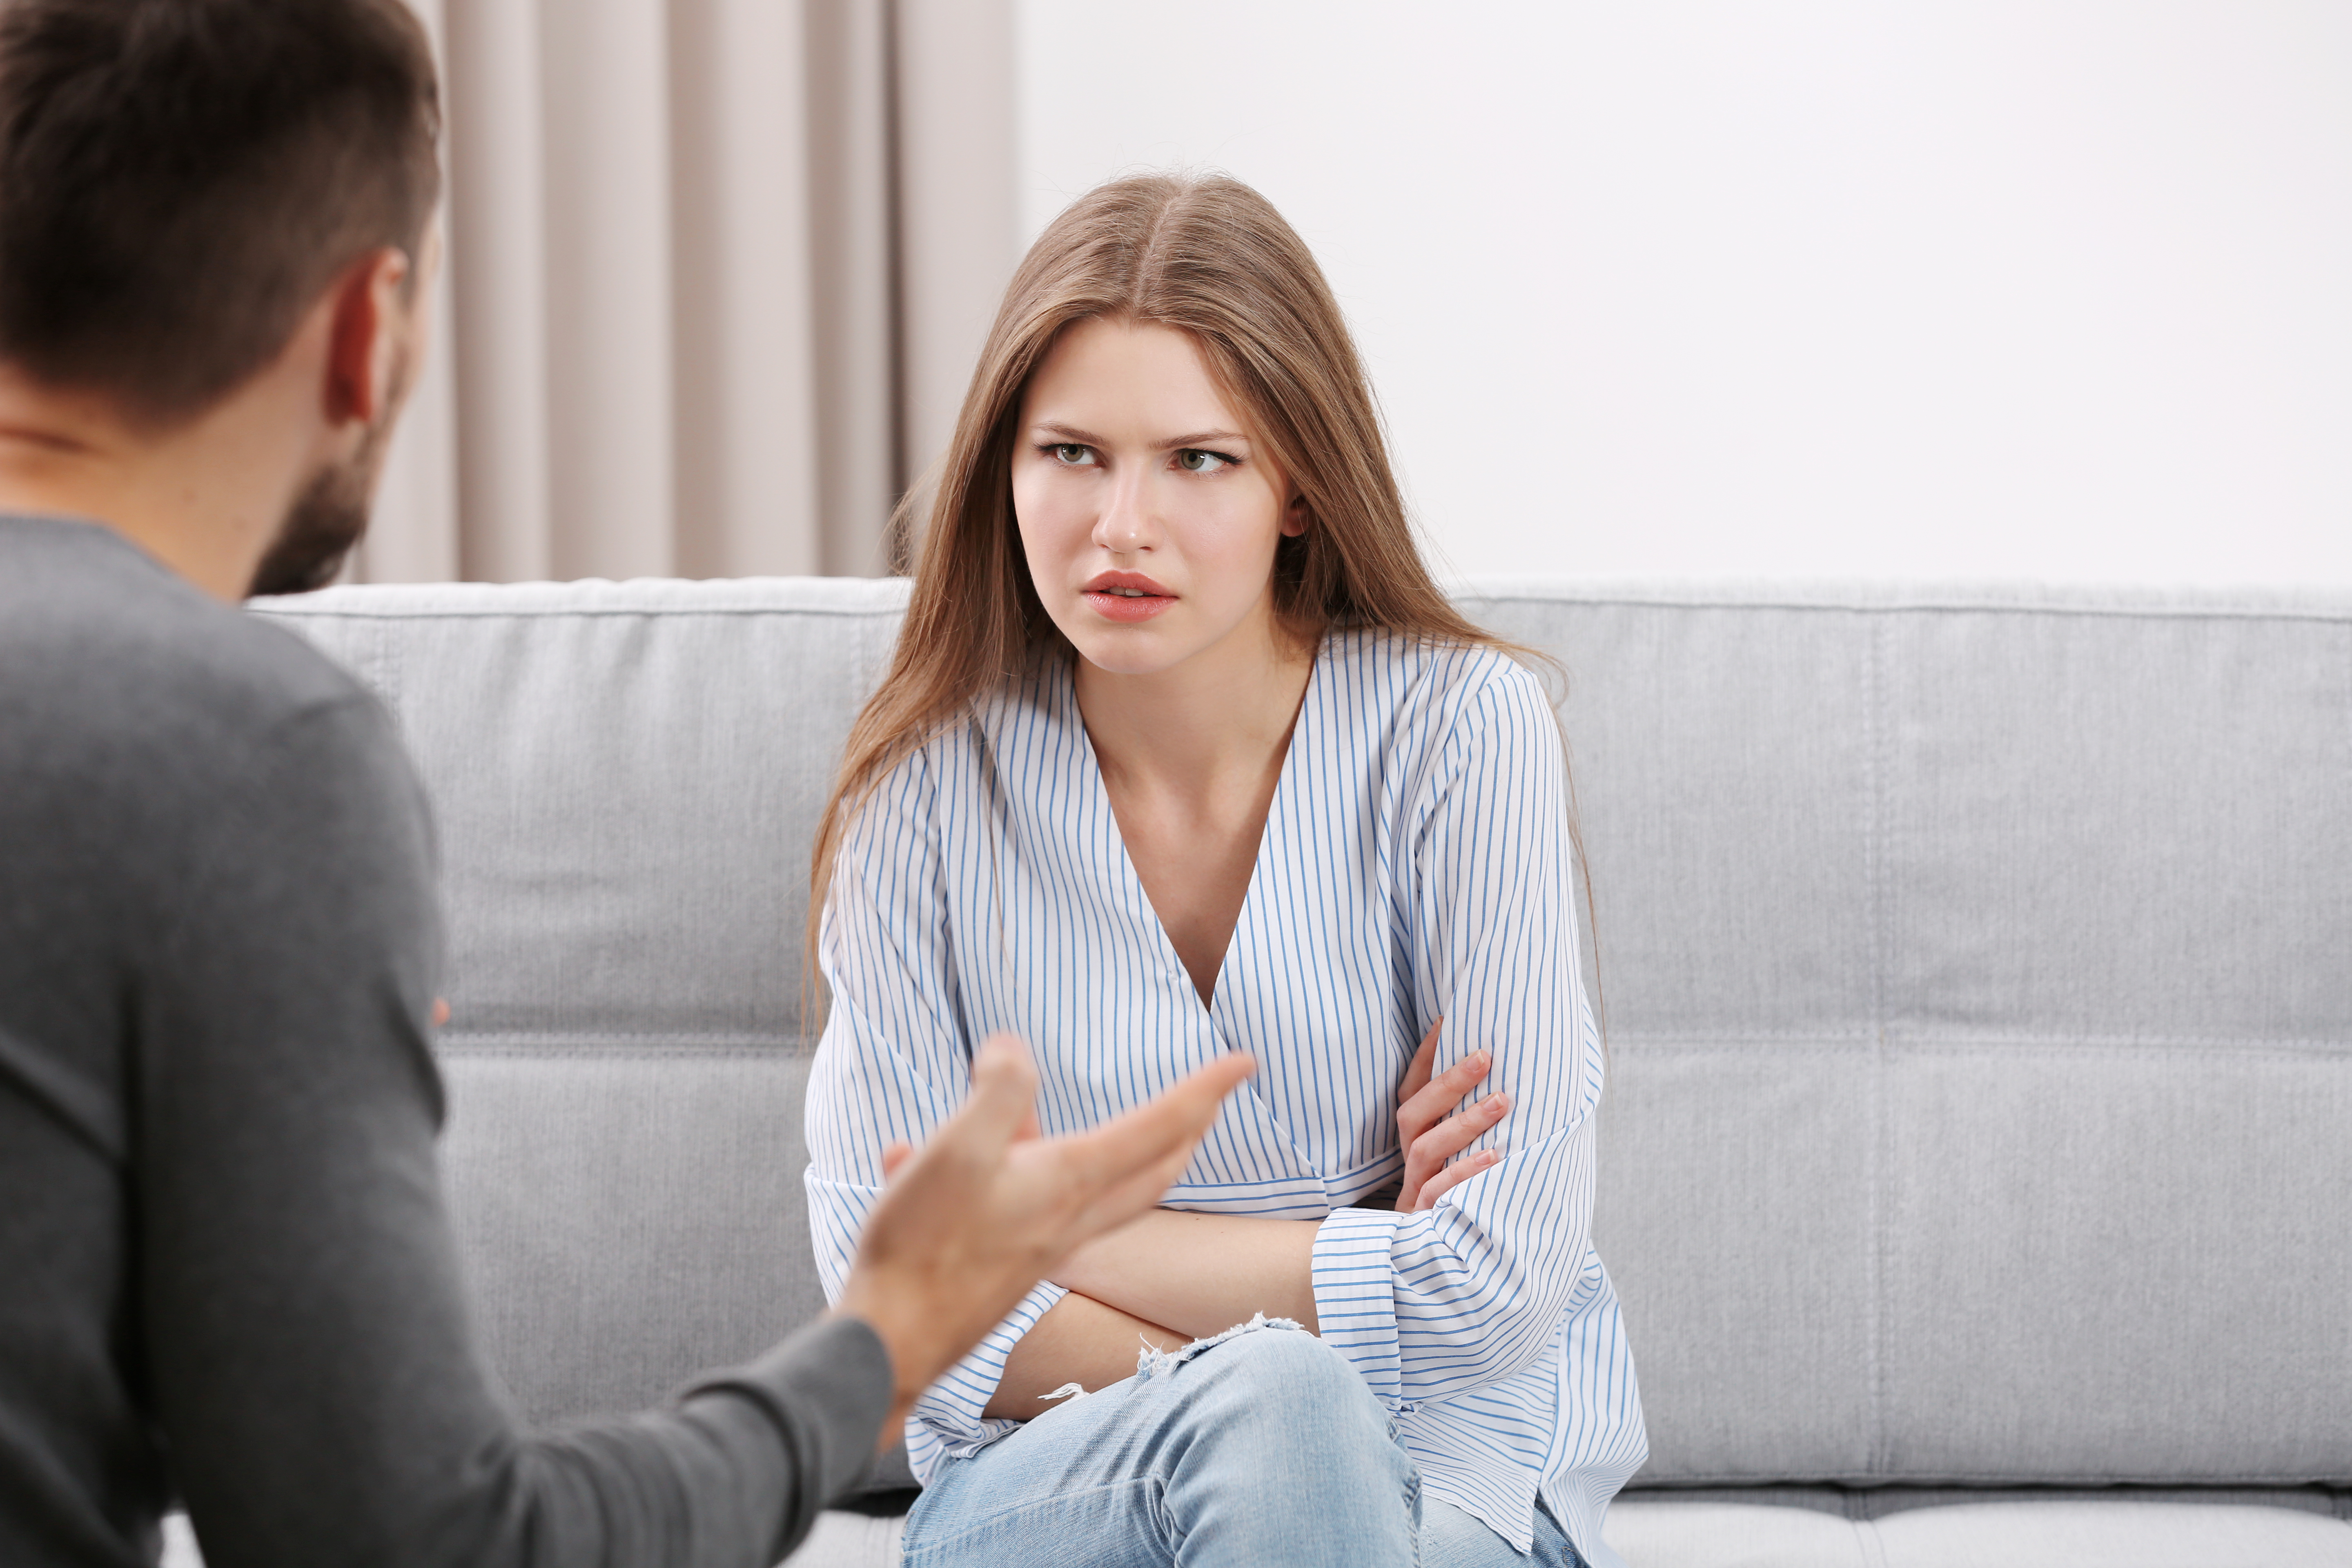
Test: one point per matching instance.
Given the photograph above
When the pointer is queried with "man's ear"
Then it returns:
(363, 347)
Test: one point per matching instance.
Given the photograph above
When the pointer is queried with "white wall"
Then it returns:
(2054, 289)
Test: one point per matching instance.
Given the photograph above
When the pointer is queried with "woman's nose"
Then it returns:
(1126, 525)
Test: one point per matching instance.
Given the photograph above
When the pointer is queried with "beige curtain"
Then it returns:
(717, 273)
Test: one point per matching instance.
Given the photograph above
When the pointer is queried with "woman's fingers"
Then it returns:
(1458, 1132)
(1427, 1108)
(1416, 1075)
(1455, 1175)
(1429, 1135)
(1426, 1156)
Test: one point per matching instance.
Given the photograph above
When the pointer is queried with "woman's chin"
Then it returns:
(1126, 653)
(1140, 647)
(1183, 635)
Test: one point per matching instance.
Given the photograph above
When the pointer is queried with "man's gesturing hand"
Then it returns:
(987, 1208)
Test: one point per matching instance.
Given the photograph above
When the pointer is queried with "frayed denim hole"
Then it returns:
(1154, 1361)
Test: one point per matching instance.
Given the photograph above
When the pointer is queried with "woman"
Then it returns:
(1181, 752)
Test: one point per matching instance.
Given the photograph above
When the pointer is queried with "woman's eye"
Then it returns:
(1192, 460)
(1071, 454)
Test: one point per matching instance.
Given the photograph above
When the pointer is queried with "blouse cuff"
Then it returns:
(947, 1422)
(1355, 1295)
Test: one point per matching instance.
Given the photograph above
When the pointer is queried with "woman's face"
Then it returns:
(1149, 517)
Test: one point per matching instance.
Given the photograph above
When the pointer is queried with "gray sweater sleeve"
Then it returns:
(300, 1301)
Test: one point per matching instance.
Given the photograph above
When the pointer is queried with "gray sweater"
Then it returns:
(225, 1267)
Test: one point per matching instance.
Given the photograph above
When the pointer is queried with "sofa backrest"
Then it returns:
(1977, 970)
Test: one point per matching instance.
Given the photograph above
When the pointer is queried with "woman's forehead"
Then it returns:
(1128, 381)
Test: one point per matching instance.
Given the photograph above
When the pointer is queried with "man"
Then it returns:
(224, 1269)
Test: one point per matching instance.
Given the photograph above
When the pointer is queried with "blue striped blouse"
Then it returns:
(1415, 864)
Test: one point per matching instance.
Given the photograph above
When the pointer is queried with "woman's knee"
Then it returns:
(1279, 1373)
(1292, 1356)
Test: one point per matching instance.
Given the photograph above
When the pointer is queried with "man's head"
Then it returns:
(185, 184)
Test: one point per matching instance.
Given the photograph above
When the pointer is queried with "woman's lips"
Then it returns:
(1125, 596)
(1127, 608)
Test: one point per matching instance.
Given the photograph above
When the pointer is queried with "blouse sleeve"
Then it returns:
(1437, 1303)
(895, 1060)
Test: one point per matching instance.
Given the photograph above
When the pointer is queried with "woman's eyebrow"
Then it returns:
(1072, 434)
(1200, 438)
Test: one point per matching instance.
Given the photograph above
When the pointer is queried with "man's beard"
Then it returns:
(330, 515)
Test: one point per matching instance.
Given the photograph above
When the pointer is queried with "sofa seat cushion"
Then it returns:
(1970, 1535)
(1759, 1535)
(846, 1540)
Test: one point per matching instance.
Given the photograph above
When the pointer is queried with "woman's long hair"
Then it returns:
(1212, 259)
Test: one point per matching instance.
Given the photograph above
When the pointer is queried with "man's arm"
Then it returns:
(302, 1308)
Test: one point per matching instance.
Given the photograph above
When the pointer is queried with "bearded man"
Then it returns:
(226, 1273)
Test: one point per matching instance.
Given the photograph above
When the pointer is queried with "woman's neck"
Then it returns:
(1214, 724)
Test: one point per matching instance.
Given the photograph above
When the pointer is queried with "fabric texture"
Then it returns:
(1451, 1538)
(229, 1271)
(711, 266)
(1980, 1032)
(1415, 865)
(1659, 1535)
(1976, 1023)
(1260, 1446)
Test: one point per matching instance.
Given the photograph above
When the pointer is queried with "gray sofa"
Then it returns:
(1977, 1160)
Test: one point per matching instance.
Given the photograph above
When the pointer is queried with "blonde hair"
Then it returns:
(1211, 257)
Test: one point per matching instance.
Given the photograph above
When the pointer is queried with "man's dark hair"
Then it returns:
(180, 180)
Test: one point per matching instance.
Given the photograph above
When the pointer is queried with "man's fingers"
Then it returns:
(1207, 1087)
(894, 1159)
(1165, 1129)
(1003, 1096)
(1180, 1115)
(1109, 1193)
(1113, 1206)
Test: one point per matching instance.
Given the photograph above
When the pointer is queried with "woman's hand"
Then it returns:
(1429, 1136)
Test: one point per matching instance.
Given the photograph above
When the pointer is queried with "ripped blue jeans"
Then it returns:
(1259, 1446)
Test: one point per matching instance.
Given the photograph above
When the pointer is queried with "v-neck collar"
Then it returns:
(1129, 884)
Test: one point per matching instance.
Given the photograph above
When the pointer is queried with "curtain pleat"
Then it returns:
(744, 438)
(958, 209)
(852, 247)
(671, 336)
(604, 102)
(498, 262)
